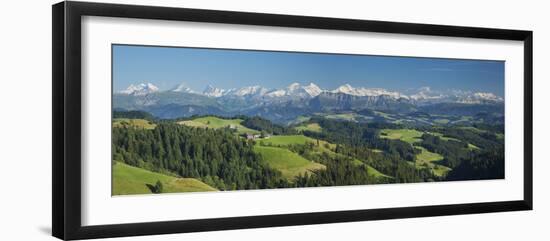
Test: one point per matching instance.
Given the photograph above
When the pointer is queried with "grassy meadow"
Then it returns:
(227, 162)
(406, 135)
(289, 163)
(315, 127)
(322, 147)
(216, 123)
(137, 123)
(425, 159)
(133, 180)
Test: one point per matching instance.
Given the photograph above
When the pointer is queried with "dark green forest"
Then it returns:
(227, 161)
(217, 156)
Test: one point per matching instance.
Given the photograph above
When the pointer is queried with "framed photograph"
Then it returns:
(169, 120)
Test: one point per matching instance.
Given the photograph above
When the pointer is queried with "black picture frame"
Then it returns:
(66, 75)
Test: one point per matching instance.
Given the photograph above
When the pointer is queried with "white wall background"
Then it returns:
(25, 104)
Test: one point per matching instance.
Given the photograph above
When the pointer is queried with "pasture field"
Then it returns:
(442, 137)
(192, 123)
(300, 139)
(426, 156)
(289, 163)
(474, 129)
(300, 119)
(216, 123)
(348, 117)
(285, 140)
(426, 159)
(463, 119)
(471, 128)
(407, 135)
(376, 173)
(442, 121)
(371, 170)
(384, 115)
(137, 123)
(133, 180)
(314, 127)
(413, 136)
(445, 138)
(473, 147)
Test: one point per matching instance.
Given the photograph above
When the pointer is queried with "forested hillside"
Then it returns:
(254, 153)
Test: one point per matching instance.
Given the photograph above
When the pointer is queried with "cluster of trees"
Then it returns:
(498, 128)
(134, 114)
(357, 140)
(261, 124)
(362, 135)
(157, 188)
(484, 165)
(487, 140)
(390, 163)
(226, 161)
(487, 162)
(452, 151)
(339, 171)
(217, 156)
(343, 132)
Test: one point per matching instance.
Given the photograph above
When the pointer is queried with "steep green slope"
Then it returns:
(289, 163)
(216, 123)
(133, 180)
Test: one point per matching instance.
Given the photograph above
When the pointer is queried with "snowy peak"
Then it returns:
(183, 89)
(276, 93)
(480, 98)
(140, 89)
(312, 89)
(488, 96)
(348, 89)
(345, 89)
(212, 91)
(293, 87)
(248, 91)
(427, 95)
(296, 91)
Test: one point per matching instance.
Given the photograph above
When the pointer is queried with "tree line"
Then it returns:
(217, 156)
(225, 161)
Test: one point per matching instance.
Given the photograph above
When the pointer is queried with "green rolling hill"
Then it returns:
(133, 180)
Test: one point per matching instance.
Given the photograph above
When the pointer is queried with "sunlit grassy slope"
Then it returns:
(138, 123)
(289, 163)
(133, 180)
(215, 122)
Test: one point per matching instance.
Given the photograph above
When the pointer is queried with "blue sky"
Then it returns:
(167, 67)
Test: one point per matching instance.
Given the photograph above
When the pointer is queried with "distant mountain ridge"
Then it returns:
(296, 90)
(140, 89)
(295, 100)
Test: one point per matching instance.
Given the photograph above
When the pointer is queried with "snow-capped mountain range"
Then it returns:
(348, 89)
(183, 88)
(298, 91)
(140, 89)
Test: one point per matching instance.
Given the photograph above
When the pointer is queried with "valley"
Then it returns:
(308, 153)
